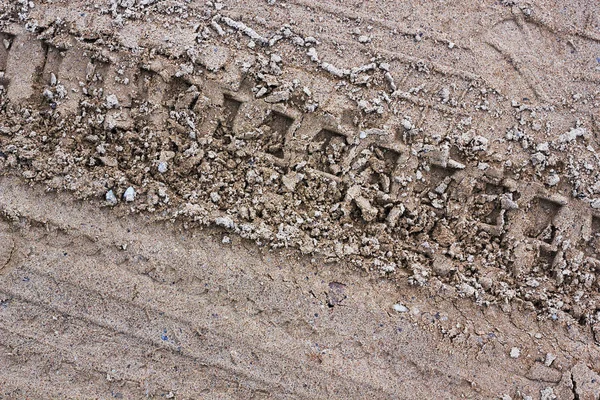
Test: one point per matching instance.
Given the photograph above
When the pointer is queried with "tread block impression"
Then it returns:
(274, 130)
(52, 63)
(542, 213)
(24, 63)
(231, 108)
(487, 208)
(6, 41)
(327, 151)
(95, 73)
(376, 167)
(592, 247)
(175, 95)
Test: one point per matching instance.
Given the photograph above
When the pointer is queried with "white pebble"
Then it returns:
(515, 352)
(129, 194)
(112, 101)
(111, 198)
(225, 222)
(407, 124)
(276, 58)
(553, 180)
(400, 308)
(162, 167)
(549, 359)
(48, 94)
(215, 197)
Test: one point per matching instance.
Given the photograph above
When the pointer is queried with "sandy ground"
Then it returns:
(297, 199)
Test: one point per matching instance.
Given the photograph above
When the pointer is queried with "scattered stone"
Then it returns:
(572, 135)
(111, 199)
(129, 194)
(549, 359)
(400, 308)
(48, 94)
(276, 58)
(538, 159)
(215, 197)
(394, 215)
(369, 213)
(278, 97)
(467, 290)
(112, 101)
(547, 394)
(543, 147)
(162, 167)
(479, 143)
(261, 92)
(225, 222)
(444, 94)
(407, 123)
(552, 180)
(515, 352)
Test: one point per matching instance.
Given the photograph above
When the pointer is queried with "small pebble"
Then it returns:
(112, 101)
(111, 198)
(400, 308)
(129, 194)
(553, 180)
(162, 167)
(48, 94)
(515, 352)
(549, 359)
(215, 197)
(276, 58)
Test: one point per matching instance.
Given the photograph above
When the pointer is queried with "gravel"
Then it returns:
(129, 194)
(400, 308)
(515, 352)
(162, 167)
(111, 198)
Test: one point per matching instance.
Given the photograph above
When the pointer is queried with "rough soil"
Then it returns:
(299, 199)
